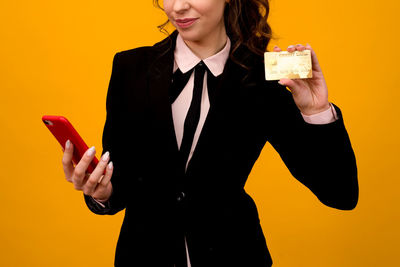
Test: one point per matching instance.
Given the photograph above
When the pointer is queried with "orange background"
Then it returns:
(56, 59)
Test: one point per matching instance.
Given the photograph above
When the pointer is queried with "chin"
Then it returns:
(191, 35)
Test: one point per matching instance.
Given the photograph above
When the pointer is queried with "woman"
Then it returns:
(186, 121)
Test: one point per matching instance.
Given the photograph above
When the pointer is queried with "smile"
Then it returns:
(185, 23)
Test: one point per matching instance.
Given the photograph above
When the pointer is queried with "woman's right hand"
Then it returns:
(93, 184)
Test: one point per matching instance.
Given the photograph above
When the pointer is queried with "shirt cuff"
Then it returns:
(101, 204)
(323, 117)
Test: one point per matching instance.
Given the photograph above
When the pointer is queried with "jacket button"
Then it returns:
(181, 196)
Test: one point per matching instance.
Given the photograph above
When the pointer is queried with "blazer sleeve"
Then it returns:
(318, 155)
(110, 143)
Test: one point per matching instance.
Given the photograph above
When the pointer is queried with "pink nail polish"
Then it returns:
(105, 156)
(91, 151)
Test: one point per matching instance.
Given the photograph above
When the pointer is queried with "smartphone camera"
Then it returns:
(47, 122)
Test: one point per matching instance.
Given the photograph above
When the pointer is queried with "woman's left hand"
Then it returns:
(311, 94)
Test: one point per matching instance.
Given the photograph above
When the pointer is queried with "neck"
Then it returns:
(209, 46)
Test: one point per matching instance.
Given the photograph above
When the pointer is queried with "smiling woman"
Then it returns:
(199, 23)
(245, 22)
(186, 121)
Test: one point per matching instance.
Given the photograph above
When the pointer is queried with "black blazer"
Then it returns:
(208, 202)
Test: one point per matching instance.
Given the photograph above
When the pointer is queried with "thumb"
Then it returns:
(286, 82)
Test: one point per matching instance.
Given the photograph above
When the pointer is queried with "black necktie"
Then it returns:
(179, 81)
(192, 118)
(193, 115)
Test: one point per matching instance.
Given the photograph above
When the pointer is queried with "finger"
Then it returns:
(287, 82)
(103, 193)
(68, 166)
(314, 60)
(295, 85)
(104, 187)
(300, 47)
(291, 48)
(93, 180)
(107, 177)
(277, 49)
(80, 169)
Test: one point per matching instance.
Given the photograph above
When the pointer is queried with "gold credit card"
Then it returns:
(291, 65)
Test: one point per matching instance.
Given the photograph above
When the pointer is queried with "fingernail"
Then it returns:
(280, 83)
(105, 156)
(67, 144)
(291, 46)
(110, 165)
(308, 44)
(91, 151)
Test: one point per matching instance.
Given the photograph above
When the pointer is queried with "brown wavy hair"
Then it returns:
(246, 24)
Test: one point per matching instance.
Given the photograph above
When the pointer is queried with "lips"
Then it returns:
(185, 23)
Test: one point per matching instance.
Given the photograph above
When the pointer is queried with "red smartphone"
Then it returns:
(63, 130)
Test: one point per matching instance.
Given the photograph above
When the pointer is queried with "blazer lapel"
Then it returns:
(159, 80)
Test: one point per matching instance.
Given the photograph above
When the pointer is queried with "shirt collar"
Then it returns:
(185, 59)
